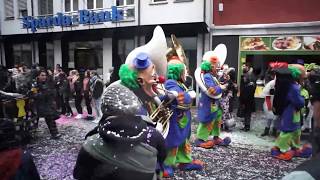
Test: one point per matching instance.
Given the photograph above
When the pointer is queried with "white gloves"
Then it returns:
(172, 94)
(192, 94)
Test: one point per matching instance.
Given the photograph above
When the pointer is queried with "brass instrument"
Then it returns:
(162, 115)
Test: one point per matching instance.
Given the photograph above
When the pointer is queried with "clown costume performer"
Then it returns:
(177, 141)
(288, 103)
(209, 110)
(125, 144)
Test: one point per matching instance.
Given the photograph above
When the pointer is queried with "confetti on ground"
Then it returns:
(246, 158)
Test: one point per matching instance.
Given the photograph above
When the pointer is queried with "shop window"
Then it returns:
(85, 55)
(45, 7)
(9, 11)
(22, 54)
(23, 10)
(125, 46)
(71, 5)
(94, 4)
(50, 55)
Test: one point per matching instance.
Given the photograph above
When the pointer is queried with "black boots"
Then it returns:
(275, 132)
(266, 132)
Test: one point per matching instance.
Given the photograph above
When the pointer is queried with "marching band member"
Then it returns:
(287, 104)
(209, 111)
(177, 141)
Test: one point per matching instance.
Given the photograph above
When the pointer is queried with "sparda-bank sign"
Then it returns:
(83, 17)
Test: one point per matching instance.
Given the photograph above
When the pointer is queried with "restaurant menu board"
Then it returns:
(281, 43)
(255, 43)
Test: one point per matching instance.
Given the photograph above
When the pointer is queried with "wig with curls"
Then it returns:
(175, 71)
(128, 77)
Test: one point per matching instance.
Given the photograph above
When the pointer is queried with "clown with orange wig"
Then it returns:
(177, 141)
(209, 110)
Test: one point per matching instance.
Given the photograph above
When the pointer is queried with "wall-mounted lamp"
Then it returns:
(220, 7)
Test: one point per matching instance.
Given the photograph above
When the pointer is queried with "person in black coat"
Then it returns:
(44, 93)
(124, 148)
(246, 99)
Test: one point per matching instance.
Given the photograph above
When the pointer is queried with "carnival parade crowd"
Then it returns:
(144, 119)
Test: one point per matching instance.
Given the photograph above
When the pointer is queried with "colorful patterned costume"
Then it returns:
(287, 144)
(177, 141)
(209, 110)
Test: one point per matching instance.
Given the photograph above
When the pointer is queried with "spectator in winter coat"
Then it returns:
(96, 87)
(87, 94)
(43, 94)
(76, 89)
(246, 99)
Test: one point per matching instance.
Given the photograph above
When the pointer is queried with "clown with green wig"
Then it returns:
(127, 143)
(288, 103)
(177, 140)
(209, 110)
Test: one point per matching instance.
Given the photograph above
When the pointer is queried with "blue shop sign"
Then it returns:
(83, 17)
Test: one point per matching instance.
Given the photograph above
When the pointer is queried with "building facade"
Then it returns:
(260, 31)
(97, 34)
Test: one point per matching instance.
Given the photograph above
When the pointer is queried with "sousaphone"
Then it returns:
(220, 52)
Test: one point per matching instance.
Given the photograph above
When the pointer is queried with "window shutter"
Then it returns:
(9, 12)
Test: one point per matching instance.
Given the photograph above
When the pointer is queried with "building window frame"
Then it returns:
(9, 15)
(181, 1)
(72, 7)
(158, 2)
(129, 8)
(22, 8)
(125, 3)
(47, 8)
(95, 4)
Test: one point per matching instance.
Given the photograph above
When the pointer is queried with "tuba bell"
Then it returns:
(221, 53)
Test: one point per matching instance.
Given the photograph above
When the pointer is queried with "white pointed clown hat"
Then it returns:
(220, 52)
(156, 49)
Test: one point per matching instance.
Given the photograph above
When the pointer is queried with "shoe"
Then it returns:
(274, 132)
(79, 116)
(304, 152)
(167, 171)
(306, 130)
(69, 115)
(90, 117)
(194, 165)
(275, 151)
(286, 156)
(204, 144)
(56, 136)
(266, 132)
(245, 129)
(222, 142)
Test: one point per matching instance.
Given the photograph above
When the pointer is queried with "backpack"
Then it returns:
(97, 88)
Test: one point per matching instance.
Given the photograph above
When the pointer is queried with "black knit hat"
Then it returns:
(122, 130)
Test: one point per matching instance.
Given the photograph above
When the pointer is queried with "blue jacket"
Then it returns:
(290, 118)
(180, 121)
(205, 114)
